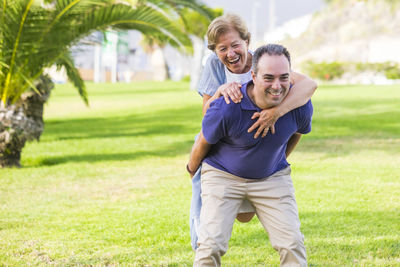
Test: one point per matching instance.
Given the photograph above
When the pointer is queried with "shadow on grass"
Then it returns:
(170, 151)
(143, 126)
(163, 122)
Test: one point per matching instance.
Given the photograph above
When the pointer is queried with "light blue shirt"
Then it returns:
(214, 75)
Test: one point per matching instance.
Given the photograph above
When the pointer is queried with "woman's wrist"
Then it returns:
(279, 112)
(217, 93)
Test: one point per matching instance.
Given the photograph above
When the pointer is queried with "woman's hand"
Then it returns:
(265, 123)
(231, 91)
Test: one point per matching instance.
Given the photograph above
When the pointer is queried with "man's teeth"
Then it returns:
(275, 93)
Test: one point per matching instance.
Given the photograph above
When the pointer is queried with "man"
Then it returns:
(236, 166)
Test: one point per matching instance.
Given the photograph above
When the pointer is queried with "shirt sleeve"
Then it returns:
(214, 125)
(212, 77)
(304, 122)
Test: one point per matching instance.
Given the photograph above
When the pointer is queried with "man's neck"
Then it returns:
(253, 98)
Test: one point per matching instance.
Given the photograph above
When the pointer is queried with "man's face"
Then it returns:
(233, 51)
(271, 83)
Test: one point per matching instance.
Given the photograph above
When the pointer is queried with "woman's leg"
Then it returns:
(195, 208)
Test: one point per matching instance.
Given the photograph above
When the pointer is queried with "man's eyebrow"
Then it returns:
(272, 76)
(268, 76)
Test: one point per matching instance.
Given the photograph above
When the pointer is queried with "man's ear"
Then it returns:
(253, 75)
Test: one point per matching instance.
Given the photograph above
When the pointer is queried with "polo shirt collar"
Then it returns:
(246, 103)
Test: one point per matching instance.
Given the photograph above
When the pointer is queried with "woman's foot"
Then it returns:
(245, 217)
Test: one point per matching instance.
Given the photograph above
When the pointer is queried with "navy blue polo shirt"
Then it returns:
(236, 151)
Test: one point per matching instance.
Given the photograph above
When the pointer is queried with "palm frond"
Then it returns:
(5, 94)
(67, 62)
(179, 5)
(29, 83)
(33, 37)
(143, 18)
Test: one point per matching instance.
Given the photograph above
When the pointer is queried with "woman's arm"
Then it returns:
(302, 90)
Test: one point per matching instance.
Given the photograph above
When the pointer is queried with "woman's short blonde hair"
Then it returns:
(223, 24)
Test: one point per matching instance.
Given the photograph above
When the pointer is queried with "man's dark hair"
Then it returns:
(271, 50)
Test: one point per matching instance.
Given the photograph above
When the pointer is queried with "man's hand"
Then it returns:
(231, 91)
(191, 172)
(265, 123)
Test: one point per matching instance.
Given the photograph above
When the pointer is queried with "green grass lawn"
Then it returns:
(107, 185)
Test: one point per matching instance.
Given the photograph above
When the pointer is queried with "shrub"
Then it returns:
(330, 71)
(393, 73)
(325, 70)
(186, 78)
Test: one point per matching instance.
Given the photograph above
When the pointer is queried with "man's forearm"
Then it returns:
(293, 141)
(207, 99)
(199, 151)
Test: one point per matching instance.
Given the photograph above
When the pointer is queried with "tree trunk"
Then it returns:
(158, 65)
(21, 122)
(197, 67)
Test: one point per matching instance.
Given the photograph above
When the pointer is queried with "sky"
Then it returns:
(256, 13)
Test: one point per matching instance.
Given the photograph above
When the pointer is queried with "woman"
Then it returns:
(226, 69)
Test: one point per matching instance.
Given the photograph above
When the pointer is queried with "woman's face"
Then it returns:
(233, 52)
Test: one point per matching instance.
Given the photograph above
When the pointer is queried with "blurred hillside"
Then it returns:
(351, 31)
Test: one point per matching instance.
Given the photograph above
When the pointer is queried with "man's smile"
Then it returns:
(274, 93)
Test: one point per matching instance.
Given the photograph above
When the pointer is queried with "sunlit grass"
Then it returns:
(106, 185)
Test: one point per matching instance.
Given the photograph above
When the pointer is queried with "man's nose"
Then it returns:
(276, 84)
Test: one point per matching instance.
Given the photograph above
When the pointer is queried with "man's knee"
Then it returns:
(289, 240)
(292, 250)
(209, 254)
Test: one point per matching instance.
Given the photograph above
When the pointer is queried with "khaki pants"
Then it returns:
(275, 205)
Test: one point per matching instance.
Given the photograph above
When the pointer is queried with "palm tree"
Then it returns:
(36, 34)
(195, 24)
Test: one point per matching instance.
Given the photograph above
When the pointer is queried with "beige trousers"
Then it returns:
(275, 204)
